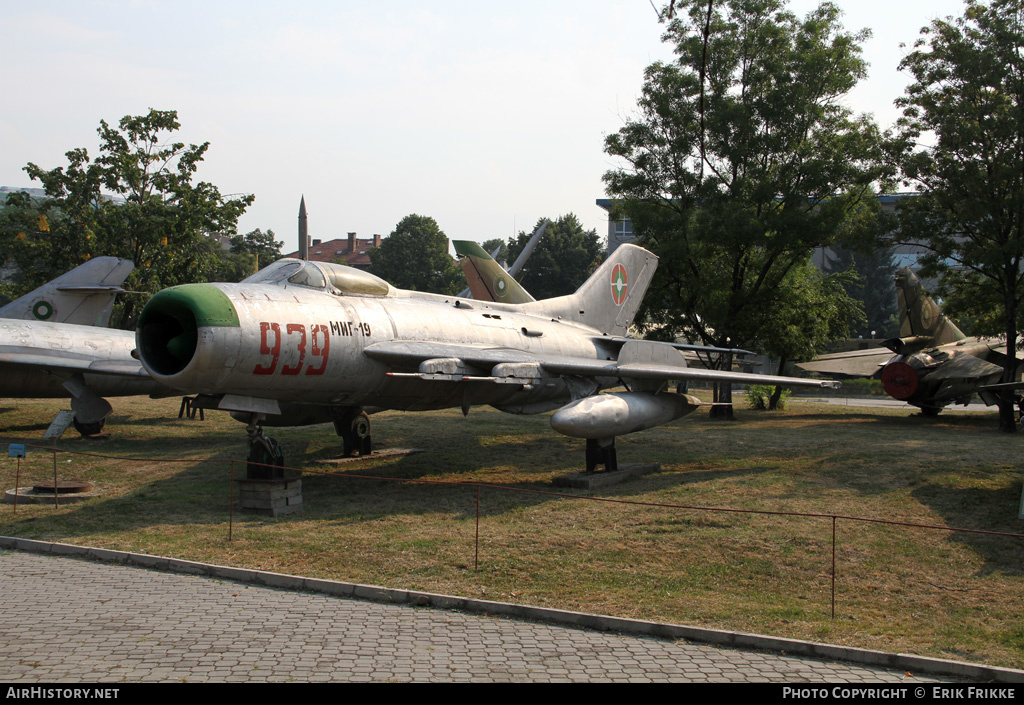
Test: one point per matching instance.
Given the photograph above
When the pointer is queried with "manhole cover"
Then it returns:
(63, 487)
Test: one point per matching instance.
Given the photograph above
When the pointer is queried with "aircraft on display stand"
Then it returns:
(312, 342)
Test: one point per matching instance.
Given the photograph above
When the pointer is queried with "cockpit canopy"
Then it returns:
(326, 276)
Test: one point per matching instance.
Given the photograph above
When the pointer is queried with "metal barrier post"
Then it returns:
(17, 482)
(834, 566)
(476, 558)
(231, 503)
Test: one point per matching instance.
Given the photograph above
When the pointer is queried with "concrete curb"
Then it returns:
(374, 593)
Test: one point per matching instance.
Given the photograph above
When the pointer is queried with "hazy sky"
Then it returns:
(485, 116)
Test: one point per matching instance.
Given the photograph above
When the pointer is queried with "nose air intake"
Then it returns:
(169, 325)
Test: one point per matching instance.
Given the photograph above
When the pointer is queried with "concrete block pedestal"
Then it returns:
(270, 497)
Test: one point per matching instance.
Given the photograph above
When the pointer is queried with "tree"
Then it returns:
(872, 285)
(496, 243)
(563, 259)
(742, 160)
(968, 96)
(21, 222)
(415, 256)
(811, 310)
(137, 200)
(258, 243)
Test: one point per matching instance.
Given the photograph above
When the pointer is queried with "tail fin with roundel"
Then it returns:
(609, 299)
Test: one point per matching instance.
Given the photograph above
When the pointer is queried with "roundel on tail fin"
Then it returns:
(620, 284)
(500, 286)
(42, 309)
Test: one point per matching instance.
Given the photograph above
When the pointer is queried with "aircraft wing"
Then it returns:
(856, 363)
(69, 361)
(689, 347)
(478, 363)
(637, 370)
(1001, 385)
(964, 367)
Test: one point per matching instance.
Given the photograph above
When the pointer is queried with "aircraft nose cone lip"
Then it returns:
(167, 336)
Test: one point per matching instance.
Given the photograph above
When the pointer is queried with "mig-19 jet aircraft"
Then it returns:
(312, 342)
(932, 364)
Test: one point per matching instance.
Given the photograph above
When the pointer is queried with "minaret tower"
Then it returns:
(303, 232)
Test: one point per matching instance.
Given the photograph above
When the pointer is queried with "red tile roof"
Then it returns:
(358, 256)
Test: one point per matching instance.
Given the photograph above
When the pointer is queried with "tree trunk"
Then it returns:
(773, 403)
(1007, 417)
(723, 395)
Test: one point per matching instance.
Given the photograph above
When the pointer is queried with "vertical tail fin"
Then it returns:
(919, 314)
(487, 280)
(609, 299)
(84, 296)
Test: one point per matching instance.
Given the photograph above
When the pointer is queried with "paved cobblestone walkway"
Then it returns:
(72, 620)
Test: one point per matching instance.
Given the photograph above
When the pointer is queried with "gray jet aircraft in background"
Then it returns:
(84, 296)
(932, 364)
(54, 343)
(488, 280)
(312, 342)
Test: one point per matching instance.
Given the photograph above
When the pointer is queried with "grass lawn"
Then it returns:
(946, 594)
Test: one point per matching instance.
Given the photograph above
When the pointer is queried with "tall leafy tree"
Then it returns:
(811, 310)
(962, 142)
(872, 285)
(563, 259)
(138, 200)
(415, 256)
(496, 243)
(22, 223)
(261, 244)
(741, 160)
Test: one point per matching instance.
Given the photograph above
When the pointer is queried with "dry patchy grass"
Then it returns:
(948, 594)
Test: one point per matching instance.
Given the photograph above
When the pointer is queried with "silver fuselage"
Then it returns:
(300, 345)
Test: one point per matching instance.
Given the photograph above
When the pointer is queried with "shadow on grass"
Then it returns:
(198, 493)
(430, 483)
(26, 428)
(695, 454)
(985, 509)
(907, 420)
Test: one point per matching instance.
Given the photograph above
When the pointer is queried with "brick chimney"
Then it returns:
(376, 239)
(351, 242)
